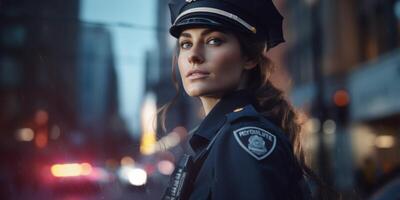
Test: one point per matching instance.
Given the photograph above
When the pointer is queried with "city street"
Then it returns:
(114, 191)
(99, 99)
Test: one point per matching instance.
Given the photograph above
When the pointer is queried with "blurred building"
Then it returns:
(97, 94)
(58, 88)
(343, 57)
(37, 88)
(32, 70)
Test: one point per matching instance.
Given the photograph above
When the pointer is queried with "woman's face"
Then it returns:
(210, 62)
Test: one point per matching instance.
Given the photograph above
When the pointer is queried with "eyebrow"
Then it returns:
(205, 32)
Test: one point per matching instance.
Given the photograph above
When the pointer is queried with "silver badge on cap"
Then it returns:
(258, 142)
(190, 1)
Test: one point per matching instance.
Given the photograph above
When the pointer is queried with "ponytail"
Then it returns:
(273, 104)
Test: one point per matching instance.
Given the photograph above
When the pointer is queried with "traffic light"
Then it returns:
(341, 101)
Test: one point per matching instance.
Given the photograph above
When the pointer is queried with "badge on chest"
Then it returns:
(258, 142)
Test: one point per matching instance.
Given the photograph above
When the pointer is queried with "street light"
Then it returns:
(149, 114)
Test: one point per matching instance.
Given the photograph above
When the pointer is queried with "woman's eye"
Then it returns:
(185, 45)
(214, 41)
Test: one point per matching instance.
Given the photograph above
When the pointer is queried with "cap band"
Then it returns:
(219, 12)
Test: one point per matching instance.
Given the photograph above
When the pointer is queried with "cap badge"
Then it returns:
(238, 110)
(190, 1)
(258, 142)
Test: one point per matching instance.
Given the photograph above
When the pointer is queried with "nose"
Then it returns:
(196, 55)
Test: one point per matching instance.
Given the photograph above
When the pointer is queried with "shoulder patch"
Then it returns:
(258, 142)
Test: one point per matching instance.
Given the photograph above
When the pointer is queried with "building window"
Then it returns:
(379, 23)
(13, 36)
(9, 72)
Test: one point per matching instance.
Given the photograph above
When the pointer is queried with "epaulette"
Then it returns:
(247, 111)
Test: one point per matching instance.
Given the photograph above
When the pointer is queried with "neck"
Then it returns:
(209, 103)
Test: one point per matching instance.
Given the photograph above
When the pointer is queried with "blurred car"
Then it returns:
(74, 177)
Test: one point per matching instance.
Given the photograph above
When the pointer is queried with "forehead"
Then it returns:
(200, 31)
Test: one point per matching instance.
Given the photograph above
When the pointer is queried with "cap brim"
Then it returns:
(204, 20)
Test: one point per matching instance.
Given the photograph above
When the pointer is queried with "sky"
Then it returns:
(129, 45)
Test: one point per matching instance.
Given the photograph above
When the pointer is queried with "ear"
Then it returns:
(249, 64)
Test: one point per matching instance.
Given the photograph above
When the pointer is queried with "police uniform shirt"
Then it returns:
(252, 159)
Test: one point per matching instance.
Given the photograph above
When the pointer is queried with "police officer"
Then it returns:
(243, 149)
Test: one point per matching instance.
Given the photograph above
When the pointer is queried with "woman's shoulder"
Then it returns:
(257, 135)
(252, 145)
(246, 116)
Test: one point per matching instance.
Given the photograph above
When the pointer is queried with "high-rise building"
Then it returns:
(343, 59)
(58, 89)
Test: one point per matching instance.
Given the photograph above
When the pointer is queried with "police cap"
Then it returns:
(258, 18)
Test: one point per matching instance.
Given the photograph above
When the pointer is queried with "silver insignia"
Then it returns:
(257, 145)
(258, 142)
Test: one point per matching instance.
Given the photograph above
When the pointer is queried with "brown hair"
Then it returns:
(274, 106)
(271, 101)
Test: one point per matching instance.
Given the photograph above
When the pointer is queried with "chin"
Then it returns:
(215, 89)
(202, 91)
(195, 92)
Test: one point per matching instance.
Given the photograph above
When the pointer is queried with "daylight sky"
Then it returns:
(129, 45)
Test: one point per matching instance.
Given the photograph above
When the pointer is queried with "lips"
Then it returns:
(196, 74)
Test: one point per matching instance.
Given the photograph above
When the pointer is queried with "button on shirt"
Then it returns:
(252, 159)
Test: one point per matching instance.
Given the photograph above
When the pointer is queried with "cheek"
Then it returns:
(227, 65)
(180, 65)
(183, 67)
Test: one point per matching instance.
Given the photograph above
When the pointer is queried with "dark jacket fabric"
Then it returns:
(250, 159)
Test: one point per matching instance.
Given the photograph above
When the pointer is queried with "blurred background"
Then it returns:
(81, 82)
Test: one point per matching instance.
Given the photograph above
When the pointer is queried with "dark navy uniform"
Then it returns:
(250, 159)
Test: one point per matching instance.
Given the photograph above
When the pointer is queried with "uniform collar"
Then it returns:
(216, 117)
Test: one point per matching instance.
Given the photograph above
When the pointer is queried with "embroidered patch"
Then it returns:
(258, 142)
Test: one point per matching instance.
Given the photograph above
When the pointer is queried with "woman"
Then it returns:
(243, 149)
